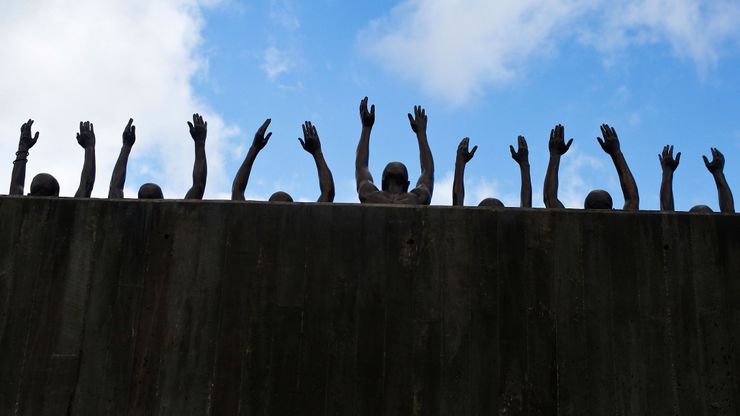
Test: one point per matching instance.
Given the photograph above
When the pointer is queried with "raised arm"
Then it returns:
(312, 145)
(86, 139)
(558, 148)
(118, 179)
(362, 173)
(522, 158)
(716, 168)
(426, 180)
(242, 175)
(198, 131)
(610, 144)
(669, 165)
(463, 157)
(18, 178)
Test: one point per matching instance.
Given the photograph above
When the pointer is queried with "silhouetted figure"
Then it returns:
(462, 158)
(610, 144)
(598, 199)
(198, 131)
(521, 156)
(491, 202)
(44, 184)
(26, 142)
(669, 165)
(150, 191)
(118, 178)
(701, 209)
(86, 139)
(312, 145)
(395, 181)
(716, 168)
(558, 148)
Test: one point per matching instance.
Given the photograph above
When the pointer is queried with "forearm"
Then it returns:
(362, 173)
(18, 177)
(118, 179)
(526, 191)
(726, 202)
(627, 182)
(458, 186)
(242, 176)
(200, 173)
(87, 179)
(666, 191)
(427, 162)
(326, 180)
(551, 183)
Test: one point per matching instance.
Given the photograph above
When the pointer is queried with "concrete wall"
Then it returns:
(174, 307)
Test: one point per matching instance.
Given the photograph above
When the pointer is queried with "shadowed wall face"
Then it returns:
(131, 307)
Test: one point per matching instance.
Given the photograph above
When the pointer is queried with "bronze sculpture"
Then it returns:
(668, 164)
(118, 178)
(462, 158)
(716, 168)
(86, 139)
(558, 148)
(310, 143)
(42, 184)
(198, 131)
(521, 157)
(395, 183)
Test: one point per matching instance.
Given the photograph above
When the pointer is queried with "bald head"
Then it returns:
(44, 184)
(491, 203)
(150, 191)
(701, 209)
(598, 199)
(395, 178)
(280, 196)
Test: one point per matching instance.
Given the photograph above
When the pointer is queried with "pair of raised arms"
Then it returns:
(45, 184)
(310, 143)
(715, 167)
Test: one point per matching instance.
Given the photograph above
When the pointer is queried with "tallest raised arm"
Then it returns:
(86, 139)
(610, 144)
(362, 172)
(558, 148)
(425, 184)
(198, 131)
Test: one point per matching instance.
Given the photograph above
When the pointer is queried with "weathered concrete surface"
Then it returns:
(174, 307)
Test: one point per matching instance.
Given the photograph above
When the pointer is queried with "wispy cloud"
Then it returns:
(453, 48)
(276, 62)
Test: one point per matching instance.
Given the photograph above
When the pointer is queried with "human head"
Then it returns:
(395, 178)
(491, 203)
(701, 209)
(150, 191)
(280, 196)
(44, 184)
(598, 199)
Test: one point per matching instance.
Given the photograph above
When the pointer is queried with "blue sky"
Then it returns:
(661, 72)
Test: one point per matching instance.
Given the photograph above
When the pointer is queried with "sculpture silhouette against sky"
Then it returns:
(395, 180)
(596, 199)
(310, 143)
(198, 132)
(521, 156)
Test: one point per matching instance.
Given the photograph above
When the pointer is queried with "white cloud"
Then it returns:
(276, 62)
(106, 61)
(454, 49)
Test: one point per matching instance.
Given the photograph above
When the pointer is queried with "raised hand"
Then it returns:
(27, 140)
(522, 155)
(367, 117)
(198, 128)
(310, 141)
(419, 120)
(666, 158)
(86, 136)
(129, 134)
(260, 140)
(557, 143)
(462, 150)
(610, 143)
(717, 165)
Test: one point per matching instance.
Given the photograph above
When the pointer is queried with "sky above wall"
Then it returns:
(660, 71)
